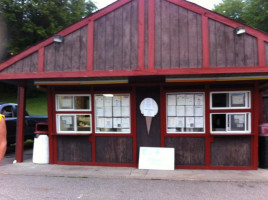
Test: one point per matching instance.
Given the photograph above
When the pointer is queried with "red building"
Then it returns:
(202, 77)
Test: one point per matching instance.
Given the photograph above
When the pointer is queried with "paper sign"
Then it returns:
(157, 158)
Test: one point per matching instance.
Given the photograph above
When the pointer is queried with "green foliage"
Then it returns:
(31, 21)
(251, 12)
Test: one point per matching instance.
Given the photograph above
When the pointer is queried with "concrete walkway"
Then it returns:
(27, 168)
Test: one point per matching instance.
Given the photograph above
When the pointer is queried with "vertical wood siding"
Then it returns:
(178, 37)
(116, 39)
(69, 55)
(26, 65)
(228, 49)
(266, 52)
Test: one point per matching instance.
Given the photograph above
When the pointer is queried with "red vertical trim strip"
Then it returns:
(255, 127)
(260, 107)
(208, 137)
(90, 46)
(151, 34)
(50, 123)
(20, 123)
(141, 35)
(41, 59)
(93, 136)
(133, 124)
(205, 39)
(163, 115)
(261, 52)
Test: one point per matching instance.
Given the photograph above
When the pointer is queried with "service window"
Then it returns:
(230, 123)
(73, 114)
(185, 112)
(230, 100)
(112, 113)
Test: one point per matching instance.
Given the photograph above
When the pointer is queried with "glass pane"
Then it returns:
(66, 123)
(82, 102)
(218, 122)
(238, 122)
(112, 113)
(65, 102)
(220, 100)
(83, 123)
(238, 100)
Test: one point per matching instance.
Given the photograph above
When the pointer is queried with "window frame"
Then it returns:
(113, 117)
(204, 113)
(76, 132)
(248, 123)
(73, 97)
(247, 99)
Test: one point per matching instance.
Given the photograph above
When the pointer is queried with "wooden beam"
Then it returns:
(205, 42)
(261, 52)
(90, 46)
(141, 52)
(151, 34)
(20, 122)
(41, 59)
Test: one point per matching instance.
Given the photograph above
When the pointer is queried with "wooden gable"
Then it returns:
(144, 37)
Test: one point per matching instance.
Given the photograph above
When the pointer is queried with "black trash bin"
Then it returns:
(263, 146)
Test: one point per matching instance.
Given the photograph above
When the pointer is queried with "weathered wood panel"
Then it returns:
(114, 150)
(266, 52)
(116, 39)
(25, 65)
(178, 34)
(69, 55)
(188, 151)
(228, 49)
(231, 151)
(153, 138)
(73, 149)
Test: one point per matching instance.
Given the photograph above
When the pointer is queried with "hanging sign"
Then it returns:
(149, 109)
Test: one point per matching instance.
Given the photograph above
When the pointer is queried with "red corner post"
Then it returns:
(20, 123)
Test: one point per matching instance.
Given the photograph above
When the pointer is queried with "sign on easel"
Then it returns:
(158, 158)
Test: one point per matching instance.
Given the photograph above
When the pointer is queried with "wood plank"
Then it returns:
(230, 46)
(199, 42)
(126, 36)
(34, 62)
(231, 151)
(174, 37)
(184, 47)
(73, 149)
(249, 53)
(220, 48)
(188, 151)
(109, 38)
(76, 50)
(212, 43)
(114, 150)
(48, 62)
(83, 52)
(193, 39)
(134, 35)
(157, 59)
(67, 52)
(165, 28)
(118, 42)
(146, 17)
(240, 50)
(255, 49)
(99, 44)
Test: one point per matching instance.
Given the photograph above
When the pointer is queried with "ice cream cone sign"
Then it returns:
(149, 109)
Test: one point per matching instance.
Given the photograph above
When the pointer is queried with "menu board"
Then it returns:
(112, 113)
(185, 112)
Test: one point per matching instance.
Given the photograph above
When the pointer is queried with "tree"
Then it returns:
(31, 21)
(251, 12)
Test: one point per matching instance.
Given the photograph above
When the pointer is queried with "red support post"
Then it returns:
(41, 54)
(151, 34)
(261, 52)
(90, 46)
(20, 123)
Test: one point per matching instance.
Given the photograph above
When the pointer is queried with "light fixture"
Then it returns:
(58, 38)
(240, 30)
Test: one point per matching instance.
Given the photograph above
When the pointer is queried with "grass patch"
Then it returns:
(36, 100)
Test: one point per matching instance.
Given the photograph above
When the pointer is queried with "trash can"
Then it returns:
(41, 145)
(263, 146)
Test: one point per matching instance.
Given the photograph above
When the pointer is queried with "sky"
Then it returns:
(209, 4)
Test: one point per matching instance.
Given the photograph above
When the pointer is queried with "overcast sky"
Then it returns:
(209, 4)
